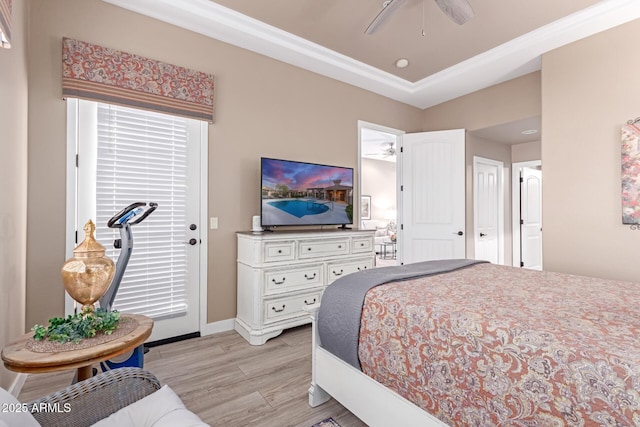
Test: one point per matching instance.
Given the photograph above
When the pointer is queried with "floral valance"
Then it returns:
(101, 74)
(5, 23)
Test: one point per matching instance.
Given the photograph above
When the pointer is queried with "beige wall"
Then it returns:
(506, 102)
(500, 104)
(589, 90)
(13, 175)
(263, 108)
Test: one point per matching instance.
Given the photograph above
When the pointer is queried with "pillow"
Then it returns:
(159, 409)
(14, 413)
(382, 231)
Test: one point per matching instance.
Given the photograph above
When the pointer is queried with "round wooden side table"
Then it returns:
(19, 358)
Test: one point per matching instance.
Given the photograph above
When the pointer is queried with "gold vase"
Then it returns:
(88, 274)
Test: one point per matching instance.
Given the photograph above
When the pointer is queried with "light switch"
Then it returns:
(213, 223)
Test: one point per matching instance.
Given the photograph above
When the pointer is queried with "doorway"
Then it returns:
(488, 209)
(377, 187)
(429, 193)
(123, 155)
(527, 215)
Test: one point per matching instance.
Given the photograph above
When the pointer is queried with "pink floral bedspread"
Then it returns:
(494, 345)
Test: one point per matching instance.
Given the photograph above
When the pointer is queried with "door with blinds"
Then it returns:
(126, 155)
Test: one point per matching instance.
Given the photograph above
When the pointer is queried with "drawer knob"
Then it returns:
(278, 310)
(339, 246)
(310, 303)
(310, 277)
(279, 251)
(361, 245)
(363, 268)
(308, 249)
(336, 273)
(280, 282)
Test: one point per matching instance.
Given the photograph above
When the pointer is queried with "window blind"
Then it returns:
(142, 156)
(5, 23)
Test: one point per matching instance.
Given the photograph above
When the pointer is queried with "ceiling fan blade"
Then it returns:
(390, 8)
(459, 11)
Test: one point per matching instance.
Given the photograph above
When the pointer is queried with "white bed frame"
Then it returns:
(366, 398)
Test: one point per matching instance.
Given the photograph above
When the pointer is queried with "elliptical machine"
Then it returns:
(133, 214)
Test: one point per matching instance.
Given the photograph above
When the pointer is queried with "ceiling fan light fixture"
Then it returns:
(402, 63)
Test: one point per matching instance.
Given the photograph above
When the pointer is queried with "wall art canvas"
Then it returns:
(365, 207)
(631, 173)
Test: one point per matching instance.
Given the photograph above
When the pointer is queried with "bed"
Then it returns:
(463, 343)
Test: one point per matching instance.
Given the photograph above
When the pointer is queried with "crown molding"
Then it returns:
(512, 59)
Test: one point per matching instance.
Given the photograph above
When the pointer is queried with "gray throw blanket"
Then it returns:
(342, 301)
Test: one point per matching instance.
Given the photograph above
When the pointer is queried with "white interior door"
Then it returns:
(488, 208)
(531, 218)
(432, 196)
(125, 156)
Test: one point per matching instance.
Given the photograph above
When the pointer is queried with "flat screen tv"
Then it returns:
(299, 193)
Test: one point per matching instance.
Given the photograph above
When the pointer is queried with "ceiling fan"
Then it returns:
(386, 151)
(459, 11)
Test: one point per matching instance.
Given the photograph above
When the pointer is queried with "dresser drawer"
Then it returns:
(336, 270)
(289, 307)
(279, 251)
(323, 248)
(362, 244)
(291, 279)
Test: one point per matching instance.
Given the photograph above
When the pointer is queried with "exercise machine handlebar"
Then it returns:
(131, 211)
(133, 214)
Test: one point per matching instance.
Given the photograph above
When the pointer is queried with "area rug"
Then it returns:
(329, 422)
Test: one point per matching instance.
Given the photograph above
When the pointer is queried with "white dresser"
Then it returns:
(281, 272)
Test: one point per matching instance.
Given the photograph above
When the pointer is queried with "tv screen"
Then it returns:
(298, 193)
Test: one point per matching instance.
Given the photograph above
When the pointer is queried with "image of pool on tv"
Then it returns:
(296, 193)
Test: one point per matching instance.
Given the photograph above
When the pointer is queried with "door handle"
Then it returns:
(482, 234)
(459, 233)
(193, 241)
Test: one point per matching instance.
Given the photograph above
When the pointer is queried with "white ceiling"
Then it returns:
(377, 145)
(504, 40)
(518, 132)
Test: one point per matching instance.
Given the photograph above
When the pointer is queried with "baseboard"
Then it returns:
(217, 327)
(16, 386)
(172, 339)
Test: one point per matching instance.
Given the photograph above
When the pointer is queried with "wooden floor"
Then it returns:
(228, 382)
